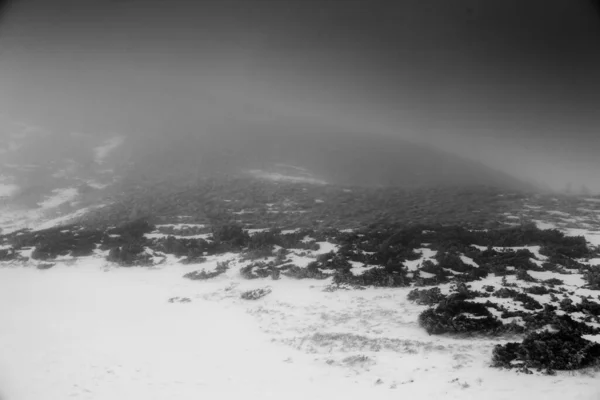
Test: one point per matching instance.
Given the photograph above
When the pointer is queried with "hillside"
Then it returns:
(384, 310)
(370, 274)
(340, 158)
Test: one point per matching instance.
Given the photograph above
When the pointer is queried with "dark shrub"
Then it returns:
(255, 294)
(8, 254)
(193, 260)
(592, 276)
(203, 275)
(265, 240)
(372, 277)
(258, 269)
(426, 297)
(563, 350)
(529, 302)
(452, 262)
(505, 293)
(449, 317)
(554, 281)
(466, 293)
(133, 230)
(256, 253)
(275, 274)
(310, 272)
(524, 276)
(129, 255)
(539, 290)
(231, 234)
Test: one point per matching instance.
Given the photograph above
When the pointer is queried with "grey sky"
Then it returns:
(513, 83)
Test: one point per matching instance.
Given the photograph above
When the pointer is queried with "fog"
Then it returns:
(514, 84)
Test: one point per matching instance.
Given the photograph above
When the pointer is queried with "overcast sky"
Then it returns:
(515, 83)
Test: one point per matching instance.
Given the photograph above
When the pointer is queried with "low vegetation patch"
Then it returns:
(549, 351)
(222, 267)
(256, 293)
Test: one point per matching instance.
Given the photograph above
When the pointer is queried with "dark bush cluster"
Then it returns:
(231, 236)
(427, 297)
(549, 351)
(538, 290)
(258, 269)
(592, 277)
(191, 249)
(130, 231)
(222, 267)
(129, 255)
(54, 242)
(311, 271)
(529, 302)
(459, 317)
(255, 294)
(377, 276)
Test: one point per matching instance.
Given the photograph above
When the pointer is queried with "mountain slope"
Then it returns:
(345, 158)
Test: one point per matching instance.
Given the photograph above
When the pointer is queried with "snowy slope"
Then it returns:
(92, 331)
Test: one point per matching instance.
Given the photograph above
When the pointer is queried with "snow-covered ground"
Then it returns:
(59, 197)
(274, 176)
(101, 152)
(87, 329)
(92, 331)
(7, 189)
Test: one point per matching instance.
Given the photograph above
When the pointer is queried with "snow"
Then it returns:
(242, 212)
(64, 219)
(180, 226)
(544, 225)
(98, 332)
(253, 231)
(60, 196)
(287, 178)
(358, 268)
(560, 213)
(101, 152)
(97, 185)
(326, 247)
(7, 190)
(594, 261)
(532, 207)
(469, 261)
(155, 235)
(592, 338)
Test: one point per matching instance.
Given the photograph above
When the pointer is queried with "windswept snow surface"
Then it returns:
(12, 219)
(59, 197)
(92, 331)
(101, 152)
(7, 190)
(274, 176)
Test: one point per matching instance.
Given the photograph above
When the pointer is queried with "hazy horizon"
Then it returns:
(513, 84)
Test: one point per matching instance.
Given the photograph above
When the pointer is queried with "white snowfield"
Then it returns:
(102, 151)
(60, 196)
(89, 330)
(7, 189)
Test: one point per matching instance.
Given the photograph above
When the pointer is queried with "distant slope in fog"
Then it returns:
(38, 162)
(361, 159)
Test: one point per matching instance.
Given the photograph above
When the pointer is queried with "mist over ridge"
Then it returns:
(476, 79)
